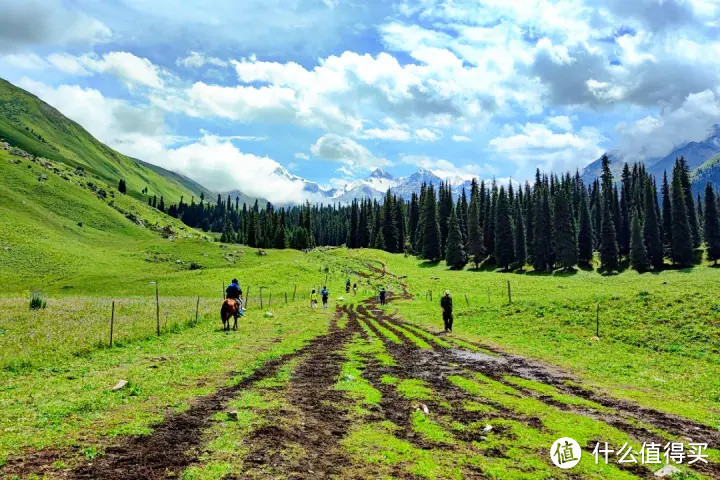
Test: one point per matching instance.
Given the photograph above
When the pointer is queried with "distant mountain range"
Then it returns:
(703, 159)
(373, 187)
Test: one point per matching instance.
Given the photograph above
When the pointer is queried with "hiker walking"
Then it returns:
(313, 299)
(324, 294)
(347, 286)
(446, 305)
(382, 296)
(354, 289)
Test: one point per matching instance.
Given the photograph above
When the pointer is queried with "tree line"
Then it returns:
(554, 222)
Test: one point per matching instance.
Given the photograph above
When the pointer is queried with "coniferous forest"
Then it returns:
(555, 222)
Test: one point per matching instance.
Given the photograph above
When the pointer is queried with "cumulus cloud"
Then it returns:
(135, 131)
(536, 145)
(199, 60)
(36, 23)
(655, 136)
(461, 138)
(129, 68)
(447, 170)
(347, 151)
(302, 156)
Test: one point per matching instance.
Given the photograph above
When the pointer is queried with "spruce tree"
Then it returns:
(638, 254)
(353, 236)
(651, 228)
(475, 242)
(519, 236)
(711, 225)
(684, 173)
(413, 220)
(378, 240)
(122, 188)
(682, 241)
(455, 256)
(529, 225)
(504, 245)
(431, 235)
(541, 261)
(389, 227)
(585, 232)
(281, 239)
(565, 242)
(666, 217)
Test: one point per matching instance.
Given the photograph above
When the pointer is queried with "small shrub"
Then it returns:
(37, 302)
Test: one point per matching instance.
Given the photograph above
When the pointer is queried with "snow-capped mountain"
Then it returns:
(372, 187)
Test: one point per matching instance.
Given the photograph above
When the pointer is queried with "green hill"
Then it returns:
(34, 126)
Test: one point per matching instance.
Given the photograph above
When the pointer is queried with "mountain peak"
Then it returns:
(380, 173)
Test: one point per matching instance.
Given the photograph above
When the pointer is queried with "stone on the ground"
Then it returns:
(268, 315)
(425, 409)
(667, 471)
(233, 416)
(487, 428)
(120, 385)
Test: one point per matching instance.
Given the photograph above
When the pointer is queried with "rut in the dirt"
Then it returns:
(169, 449)
(322, 418)
(433, 365)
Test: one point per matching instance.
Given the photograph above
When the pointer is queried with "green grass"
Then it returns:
(659, 333)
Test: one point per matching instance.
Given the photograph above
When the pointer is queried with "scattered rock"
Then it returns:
(425, 409)
(228, 258)
(233, 416)
(102, 193)
(42, 178)
(80, 224)
(261, 252)
(120, 385)
(595, 339)
(340, 299)
(269, 315)
(195, 266)
(80, 172)
(667, 471)
(434, 278)
(487, 428)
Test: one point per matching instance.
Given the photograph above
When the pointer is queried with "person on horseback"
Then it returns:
(233, 290)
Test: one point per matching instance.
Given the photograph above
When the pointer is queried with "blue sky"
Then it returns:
(331, 89)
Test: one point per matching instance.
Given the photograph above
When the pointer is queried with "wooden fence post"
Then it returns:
(247, 296)
(157, 308)
(509, 293)
(112, 323)
(285, 298)
(197, 310)
(261, 300)
(294, 291)
(270, 300)
(466, 300)
(597, 321)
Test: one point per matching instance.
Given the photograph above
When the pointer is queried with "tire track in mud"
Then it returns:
(170, 447)
(322, 414)
(622, 415)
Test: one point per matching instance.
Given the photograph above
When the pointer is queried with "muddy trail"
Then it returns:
(319, 416)
(306, 437)
(434, 365)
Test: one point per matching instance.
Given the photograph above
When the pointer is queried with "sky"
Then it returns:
(332, 89)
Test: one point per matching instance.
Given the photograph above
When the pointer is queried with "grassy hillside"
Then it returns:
(34, 126)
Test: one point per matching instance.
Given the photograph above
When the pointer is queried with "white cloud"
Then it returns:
(655, 136)
(130, 69)
(426, 135)
(446, 169)
(199, 60)
(25, 61)
(302, 156)
(135, 131)
(561, 122)
(347, 151)
(537, 146)
(461, 138)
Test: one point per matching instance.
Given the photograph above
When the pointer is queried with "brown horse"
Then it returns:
(230, 307)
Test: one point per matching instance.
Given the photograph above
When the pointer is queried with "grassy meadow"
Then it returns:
(658, 347)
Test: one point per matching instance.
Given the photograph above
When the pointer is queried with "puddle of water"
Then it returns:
(477, 356)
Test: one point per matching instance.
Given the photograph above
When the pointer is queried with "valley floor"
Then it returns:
(358, 392)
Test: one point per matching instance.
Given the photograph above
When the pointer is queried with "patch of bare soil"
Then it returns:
(170, 448)
(321, 420)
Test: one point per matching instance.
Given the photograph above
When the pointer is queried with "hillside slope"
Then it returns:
(37, 128)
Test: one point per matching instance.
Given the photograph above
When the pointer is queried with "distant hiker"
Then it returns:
(313, 299)
(354, 288)
(446, 305)
(382, 295)
(347, 286)
(233, 290)
(324, 294)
